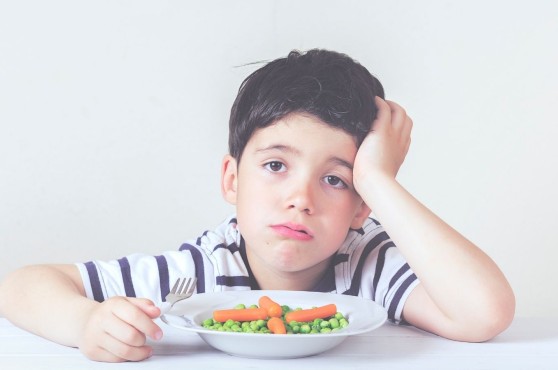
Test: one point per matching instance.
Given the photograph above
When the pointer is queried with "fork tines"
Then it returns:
(183, 286)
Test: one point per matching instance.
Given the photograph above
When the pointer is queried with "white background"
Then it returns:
(113, 118)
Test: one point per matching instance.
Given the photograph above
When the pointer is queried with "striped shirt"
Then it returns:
(367, 265)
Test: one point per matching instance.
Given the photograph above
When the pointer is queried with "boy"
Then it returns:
(313, 148)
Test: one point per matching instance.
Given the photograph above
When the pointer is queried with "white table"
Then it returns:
(530, 344)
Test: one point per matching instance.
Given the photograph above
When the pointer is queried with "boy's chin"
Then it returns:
(297, 264)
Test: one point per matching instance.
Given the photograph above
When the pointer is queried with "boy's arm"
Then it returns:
(463, 295)
(49, 300)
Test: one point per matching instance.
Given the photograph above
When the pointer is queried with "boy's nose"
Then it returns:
(302, 199)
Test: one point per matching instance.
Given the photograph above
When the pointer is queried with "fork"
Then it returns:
(182, 289)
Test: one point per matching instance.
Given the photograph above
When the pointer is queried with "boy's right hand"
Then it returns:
(116, 330)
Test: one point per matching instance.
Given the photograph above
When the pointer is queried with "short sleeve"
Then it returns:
(372, 267)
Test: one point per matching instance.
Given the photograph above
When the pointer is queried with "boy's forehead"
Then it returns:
(298, 131)
(301, 122)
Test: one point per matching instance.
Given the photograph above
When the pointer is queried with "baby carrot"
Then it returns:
(276, 325)
(312, 313)
(273, 308)
(243, 314)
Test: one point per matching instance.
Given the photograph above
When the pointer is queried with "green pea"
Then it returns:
(240, 306)
(333, 323)
(254, 325)
(214, 326)
(305, 329)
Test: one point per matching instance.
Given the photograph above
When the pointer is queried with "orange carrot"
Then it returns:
(273, 308)
(276, 325)
(312, 313)
(244, 314)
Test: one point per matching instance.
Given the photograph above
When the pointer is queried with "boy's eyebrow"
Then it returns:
(280, 147)
(341, 162)
(290, 149)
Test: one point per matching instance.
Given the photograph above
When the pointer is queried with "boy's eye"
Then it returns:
(335, 182)
(275, 166)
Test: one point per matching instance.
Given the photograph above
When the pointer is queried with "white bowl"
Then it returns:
(363, 316)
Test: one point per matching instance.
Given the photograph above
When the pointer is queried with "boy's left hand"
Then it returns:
(384, 149)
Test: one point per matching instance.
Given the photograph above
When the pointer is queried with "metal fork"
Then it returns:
(182, 289)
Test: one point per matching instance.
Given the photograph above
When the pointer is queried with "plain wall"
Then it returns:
(114, 114)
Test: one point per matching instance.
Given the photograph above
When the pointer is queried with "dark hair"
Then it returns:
(327, 84)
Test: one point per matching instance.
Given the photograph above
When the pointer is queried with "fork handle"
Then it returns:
(165, 308)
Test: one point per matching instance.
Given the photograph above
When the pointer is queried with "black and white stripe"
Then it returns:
(368, 264)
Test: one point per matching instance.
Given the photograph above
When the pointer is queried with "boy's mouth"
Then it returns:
(293, 231)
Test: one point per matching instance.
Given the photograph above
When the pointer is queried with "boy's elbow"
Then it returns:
(496, 317)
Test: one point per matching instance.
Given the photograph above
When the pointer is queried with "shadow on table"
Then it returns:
(526, 330)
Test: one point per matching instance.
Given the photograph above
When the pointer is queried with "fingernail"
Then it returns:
(158, 335)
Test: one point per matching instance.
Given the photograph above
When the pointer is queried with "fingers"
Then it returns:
(118, 329)
(139, 316)
(383, 116)
(391, 112)
(113, 350)
(402, 125)
(120, 351)
(124, 332)
(399, 118)
(393, 117)
(147, 306)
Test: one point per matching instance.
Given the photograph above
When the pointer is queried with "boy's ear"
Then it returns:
(362, 213)
(229, 179)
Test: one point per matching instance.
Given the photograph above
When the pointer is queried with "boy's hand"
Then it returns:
(116, 330)
(384, 149)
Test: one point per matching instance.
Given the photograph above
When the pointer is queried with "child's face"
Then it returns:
(294, 196)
